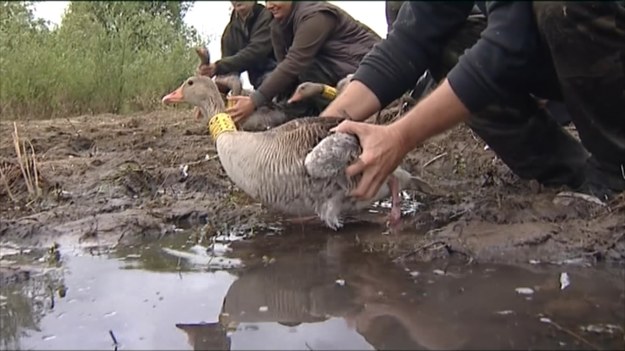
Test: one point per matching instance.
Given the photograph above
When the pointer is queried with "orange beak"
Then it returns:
(173, 97)
(295, 97)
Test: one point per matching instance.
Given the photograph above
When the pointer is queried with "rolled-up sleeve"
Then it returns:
(498, 67)
(415, 43)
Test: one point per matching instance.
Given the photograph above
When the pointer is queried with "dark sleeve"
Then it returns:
(226, 42)
(497, 67)
(416, 41)
(258, 48)
(310, 36)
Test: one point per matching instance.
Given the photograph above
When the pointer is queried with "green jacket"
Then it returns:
(247, 46)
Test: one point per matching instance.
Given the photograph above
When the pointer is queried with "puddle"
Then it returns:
(300, 291)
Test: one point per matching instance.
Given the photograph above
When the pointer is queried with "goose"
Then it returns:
(296, 168)
(309, 90)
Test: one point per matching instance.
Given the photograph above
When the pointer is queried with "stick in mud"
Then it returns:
(570, 332)
(434, 159)
(114, 338)
(422, 247)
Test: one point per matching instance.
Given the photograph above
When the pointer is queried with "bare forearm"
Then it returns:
(440, 111)
(356, 102)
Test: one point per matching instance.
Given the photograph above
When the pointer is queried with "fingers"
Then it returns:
(236, 98)
(368, 186)
(204, 70)
(234, 112)
(355, 168)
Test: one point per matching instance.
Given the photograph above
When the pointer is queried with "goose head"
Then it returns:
(198, 91)
(343, 82)
(308, 90)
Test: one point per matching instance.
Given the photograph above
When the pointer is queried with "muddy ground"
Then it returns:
(119, 180)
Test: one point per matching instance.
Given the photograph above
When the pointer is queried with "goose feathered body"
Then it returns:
(298, 168)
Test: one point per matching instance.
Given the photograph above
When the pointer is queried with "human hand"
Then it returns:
(382, 150)
(208, 70)
(243, 108)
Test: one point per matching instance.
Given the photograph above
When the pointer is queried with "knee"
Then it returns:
(557, 14)
(549, 13)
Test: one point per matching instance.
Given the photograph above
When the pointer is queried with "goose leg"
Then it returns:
(300, 220)
(394, 218)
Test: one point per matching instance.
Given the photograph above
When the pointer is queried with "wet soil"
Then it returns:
(303, 290)
(120, 180)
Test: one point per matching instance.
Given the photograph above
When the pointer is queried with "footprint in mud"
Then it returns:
(80, 143)
(201, 183)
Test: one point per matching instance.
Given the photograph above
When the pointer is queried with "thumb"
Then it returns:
(349, 127)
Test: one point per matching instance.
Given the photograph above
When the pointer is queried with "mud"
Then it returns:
(300, 290)
(120, 180)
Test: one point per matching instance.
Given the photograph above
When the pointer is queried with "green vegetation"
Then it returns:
(105, 56)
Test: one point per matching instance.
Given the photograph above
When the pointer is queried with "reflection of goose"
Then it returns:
(206, 336)
(295, 289)
(383, 303)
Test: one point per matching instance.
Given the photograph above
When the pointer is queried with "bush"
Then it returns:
(112, 57)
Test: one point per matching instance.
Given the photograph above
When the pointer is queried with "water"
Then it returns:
(307, 292)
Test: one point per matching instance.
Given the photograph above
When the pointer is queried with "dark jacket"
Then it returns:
(247, 47)
(497, 68)
(315, 31)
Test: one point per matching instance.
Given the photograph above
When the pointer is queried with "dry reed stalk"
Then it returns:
(27, 163)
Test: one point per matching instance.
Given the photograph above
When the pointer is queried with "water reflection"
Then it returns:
(391, 308)
(307, 291)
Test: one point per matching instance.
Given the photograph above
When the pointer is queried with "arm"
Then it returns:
(258, 48)
(394, 65)
(308, 39)
(498, 68)
(438, 112)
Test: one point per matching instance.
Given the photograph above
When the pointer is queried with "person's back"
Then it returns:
(246, 43)
(312, 41)
(342, 49)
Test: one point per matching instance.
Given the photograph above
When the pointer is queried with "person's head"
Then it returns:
(243, 8)
(279, 9)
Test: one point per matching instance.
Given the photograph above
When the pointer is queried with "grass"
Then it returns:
(94, 62)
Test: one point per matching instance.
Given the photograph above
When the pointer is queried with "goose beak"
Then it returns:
(297, 96)
(173, 97)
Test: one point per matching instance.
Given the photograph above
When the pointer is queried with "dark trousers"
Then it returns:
(584, 66)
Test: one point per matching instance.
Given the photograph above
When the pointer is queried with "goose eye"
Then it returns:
(190, 82)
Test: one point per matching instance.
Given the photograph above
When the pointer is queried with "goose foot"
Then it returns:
(394, 218)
